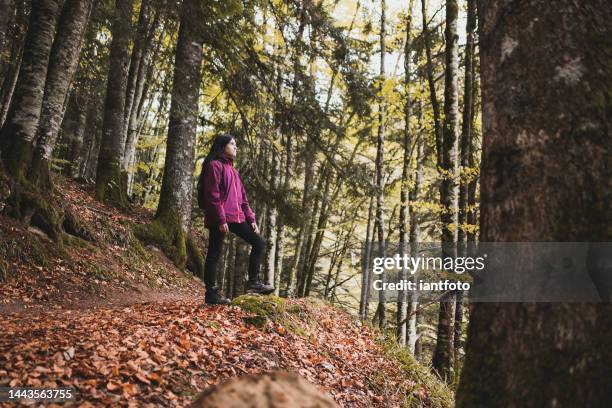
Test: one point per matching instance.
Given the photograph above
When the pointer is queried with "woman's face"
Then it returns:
(230, 149)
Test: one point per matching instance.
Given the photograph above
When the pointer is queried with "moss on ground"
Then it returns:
(439, 394)
(269, 308)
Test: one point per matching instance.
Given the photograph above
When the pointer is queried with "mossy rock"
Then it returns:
(269, 306)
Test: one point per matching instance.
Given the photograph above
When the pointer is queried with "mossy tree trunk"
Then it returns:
(111, 183)
(171, 227)
(62, 66)
(18, 133)
(546, 94)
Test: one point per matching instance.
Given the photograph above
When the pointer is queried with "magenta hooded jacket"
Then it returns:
(222, 195)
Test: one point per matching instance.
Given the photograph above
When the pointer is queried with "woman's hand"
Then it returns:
(224, 228)
(255, 227)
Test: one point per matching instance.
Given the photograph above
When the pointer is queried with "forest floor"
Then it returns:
(123, 326)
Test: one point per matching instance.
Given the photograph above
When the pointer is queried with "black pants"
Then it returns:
(215, 244)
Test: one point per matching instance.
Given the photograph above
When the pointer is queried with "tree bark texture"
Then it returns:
(110, 182)
(172, 224)
(62, 66)
(546, 72)
(18, 133)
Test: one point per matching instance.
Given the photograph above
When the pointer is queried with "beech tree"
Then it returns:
(172, 224)
(62, 66)
(17, 137)
(545, 176)
(111, 182)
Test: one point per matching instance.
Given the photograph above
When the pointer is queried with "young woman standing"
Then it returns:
(222, 196)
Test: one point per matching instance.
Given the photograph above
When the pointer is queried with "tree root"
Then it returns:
(35, 208)
(167, 233)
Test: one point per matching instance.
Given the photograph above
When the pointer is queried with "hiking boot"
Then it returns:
(214, 297)
(257, 287)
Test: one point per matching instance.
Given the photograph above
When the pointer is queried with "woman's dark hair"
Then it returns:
(216, 152)
(217, 148)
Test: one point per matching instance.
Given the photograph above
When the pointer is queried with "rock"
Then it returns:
(278, 389)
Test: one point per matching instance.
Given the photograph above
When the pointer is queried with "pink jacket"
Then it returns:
(222, 195)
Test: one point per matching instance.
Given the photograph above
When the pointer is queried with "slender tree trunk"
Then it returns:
(307, 211)
(135, 62)
(435, 105)
(472, 214)
(271, 217)
(415, 237)
(380, 149)
(546, 163)
(62, 66)
(366, 255)
(320, 232)
(7, 7)
(141, 57)
(17, 136)
(311, 228)
(91, 144)
(10, 81)
(466, 135)
(291, 134)
(10, 72)
(138, 118)
(404, 192)
(110, 182)
(73, 129)
(443, 353)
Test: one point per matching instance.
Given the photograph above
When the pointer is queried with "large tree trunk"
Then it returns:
(443, 353)
(404, 216)
(111, 184)
(546, 93)
(62, 66)
(18, 133)
(171, 227)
